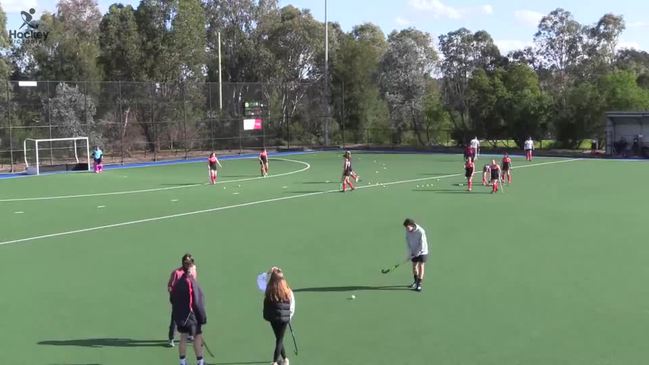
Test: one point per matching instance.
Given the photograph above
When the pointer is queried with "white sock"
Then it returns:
(201, 362)
(183, 361)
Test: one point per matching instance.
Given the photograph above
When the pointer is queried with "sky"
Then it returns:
(512, 24)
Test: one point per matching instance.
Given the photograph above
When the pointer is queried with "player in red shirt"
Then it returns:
(469, 168)
(507, 168)
(353, 173)
(263, 161)
(347, 173)
(212, 161)
(495, 176)
(189, 265)
(469, 153)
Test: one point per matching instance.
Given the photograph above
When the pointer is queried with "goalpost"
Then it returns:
(56, 154)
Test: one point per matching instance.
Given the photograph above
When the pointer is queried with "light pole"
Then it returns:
(326, 78)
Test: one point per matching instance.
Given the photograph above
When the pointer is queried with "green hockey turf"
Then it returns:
(552, 271)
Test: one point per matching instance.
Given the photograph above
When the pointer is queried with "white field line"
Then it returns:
(258, 202)
(307, 166)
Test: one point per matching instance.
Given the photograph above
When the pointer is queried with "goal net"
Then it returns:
(57, 154)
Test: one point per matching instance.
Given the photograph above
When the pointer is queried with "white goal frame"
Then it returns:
(35, 169)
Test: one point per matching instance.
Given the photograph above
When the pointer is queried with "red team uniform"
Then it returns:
(263, 161)
(507, 167)
(495, 176)
(347, 173)
(469, 169)
(212, 161)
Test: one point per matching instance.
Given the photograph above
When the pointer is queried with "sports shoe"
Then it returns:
(171, 343)
(418, 288)
(285, 362)
(413, 285)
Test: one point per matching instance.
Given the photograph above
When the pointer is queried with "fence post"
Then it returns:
(184, 91)
(210, 114)
(121, 122)
(11, 142)
(49, 120)
(342, 113)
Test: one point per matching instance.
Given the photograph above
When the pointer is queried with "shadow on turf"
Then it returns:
(106, 342)
(351, 288)
(237, 363)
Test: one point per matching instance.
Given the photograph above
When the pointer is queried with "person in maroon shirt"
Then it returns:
(507, 168)
(263, 161)
(469, 169)
(188, 313)
(495, 176)
(347, 173)
(187, 263)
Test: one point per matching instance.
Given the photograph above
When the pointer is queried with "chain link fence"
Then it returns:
(150, 121)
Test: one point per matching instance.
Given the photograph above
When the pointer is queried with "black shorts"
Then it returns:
(468, 173)
(506, 167)
(420, 258)
(190, 327)
(98, 161)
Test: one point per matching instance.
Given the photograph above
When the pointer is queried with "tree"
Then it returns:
(153, 18)
(72, 47)
(437, 121)
(119, 42)
(604, 37)
(583, 116)
(187, 42)
(464, 52)
(486, 92)
(72, 112)
(559, 44)
(239, 22)
(622, 93)
(355, 75)
(405, 67)
(4, 45)
(525, 108)
(635, 61)
(295, 42)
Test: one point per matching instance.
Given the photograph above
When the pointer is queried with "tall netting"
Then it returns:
(151, 121)
(61, 154)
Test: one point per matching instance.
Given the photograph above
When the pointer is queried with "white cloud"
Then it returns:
(628, 45)
(637, 25)
(16, 6)
(402, 21)
(507, 45)
(437, 7)
(528, 17)
(487, 9)
(441, 10)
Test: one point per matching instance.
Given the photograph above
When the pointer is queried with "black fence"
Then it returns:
(135, 121)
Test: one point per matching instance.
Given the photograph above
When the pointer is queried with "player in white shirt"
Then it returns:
(529, 147)
(475, 146)
(417, 246)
